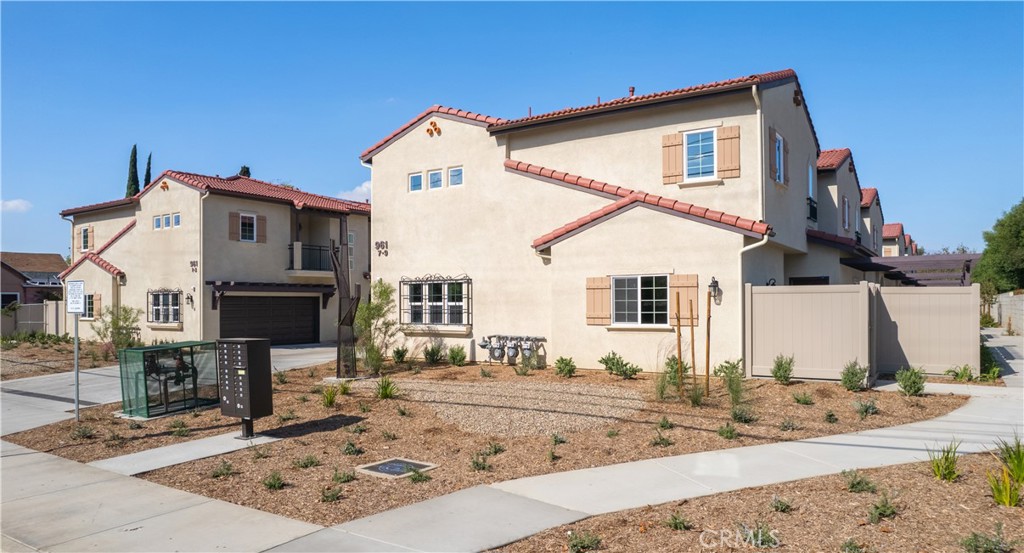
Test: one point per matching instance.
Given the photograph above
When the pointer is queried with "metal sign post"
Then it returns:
(76, 305)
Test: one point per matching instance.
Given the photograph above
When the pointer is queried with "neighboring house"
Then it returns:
(31, 277)
(893, 240)
(872, 220)
(208, 257)
(911, 246)
(581, 225)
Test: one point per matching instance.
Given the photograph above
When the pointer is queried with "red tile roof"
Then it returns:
(830, 160)
(101, 263)
(97, 207)
(34, 262)
(892, 230)
(251, 188)
(462, 114)
(626, 199)
(868, 195)
(619, 103)
(101, 249)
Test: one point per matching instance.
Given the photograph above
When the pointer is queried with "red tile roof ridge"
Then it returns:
(868, 195)
(832, 159)
(97, 206)
(892, 230)
(436, 108)
(251, 187)
(101, 249)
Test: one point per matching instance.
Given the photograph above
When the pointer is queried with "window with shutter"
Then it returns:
(261, 229)
(686, 287)
(672, 158)
(772, 160)
(729, 152)
(785, 160)
(599, 296)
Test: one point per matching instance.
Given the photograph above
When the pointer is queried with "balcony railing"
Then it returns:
(812, 210)
(857, 234)
(313, 258)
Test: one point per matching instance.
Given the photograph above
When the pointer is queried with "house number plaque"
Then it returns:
(382, 248)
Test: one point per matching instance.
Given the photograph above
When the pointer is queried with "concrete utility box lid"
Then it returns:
(396, 467)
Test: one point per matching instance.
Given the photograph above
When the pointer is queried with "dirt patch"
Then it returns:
(448, 415)
(932, 516)
(950, 380)
(26, 359)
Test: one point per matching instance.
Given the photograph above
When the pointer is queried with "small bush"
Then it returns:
(135, 425)
(789, 425)
(695, 394)
(616, 365)
(883, 508)
(417, 476)
(831, 417)
(181, 432)
(851, 546)
(665, 424)
(780, 505)
(225, 469)
(727, 431)
(989, 367)
(386, 388)
(479, 462)
(731, 372)
(661, 441)
(760, 536)
(484, 373)
(557, 439)
(306, 462)
(741, 414)
(1005, 490)
(565, 367)
(1012, 456)
(677, 522)
(343, 477)
(853, 375)
(552, 456)
(364, 407)
(389, 436)
(178, 423)
(672, 370)
(521, 369)
(83, 432)
(351, 449)
(260, 452)
(281, 377)
(329, 396)
(434, 353)
(330, 494)
(910, 381)
(857, 483)
(399, 354)
(402, 412)
(865, 408)
(274, 481)
(613, 433)
(457, 355)
(943, 462)
(987, 321)
(373, 358)
(303, 398)
(803, 398)
(984, 543)
(318, 389)
(961, 374)
(494, 448)
(357, 429)
(661, 386)
(287, 416)
(782, 369)
(583, 541)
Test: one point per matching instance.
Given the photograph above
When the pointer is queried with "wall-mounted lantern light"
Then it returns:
(713, 288)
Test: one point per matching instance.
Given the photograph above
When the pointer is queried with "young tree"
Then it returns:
(244, 171)
(149, 170)
(117, 326)
(133, 173)
(375, 324)
(1002, 262)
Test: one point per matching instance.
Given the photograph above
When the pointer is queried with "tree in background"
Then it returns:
(244, 171)
(133, 173)
(1001, 266)
(149, 172)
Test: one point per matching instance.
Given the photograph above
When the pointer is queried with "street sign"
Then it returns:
(76, 296)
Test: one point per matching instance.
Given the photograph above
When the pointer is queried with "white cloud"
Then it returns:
(17, 206)
(360, 193)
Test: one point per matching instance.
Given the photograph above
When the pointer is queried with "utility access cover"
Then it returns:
(395, 467)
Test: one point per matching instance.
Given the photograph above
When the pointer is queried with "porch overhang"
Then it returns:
(220, 288)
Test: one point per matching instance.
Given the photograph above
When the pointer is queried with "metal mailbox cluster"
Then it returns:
(243, 368)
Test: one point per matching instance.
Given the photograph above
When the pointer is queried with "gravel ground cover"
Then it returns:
(479, 430)
(931, 516)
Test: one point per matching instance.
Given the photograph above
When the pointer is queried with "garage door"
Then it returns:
(283, 320)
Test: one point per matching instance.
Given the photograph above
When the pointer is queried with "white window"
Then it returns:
(177, 219)
(7, 298)
(164, 307)
(454, 176)
(351, 251)
(436, 301)
(247, 228)
(846, 213)
(167, 221)
(414, 294)
(89, 307)
(700, 155)
(415, 182)
(640, 300)
(156, 222)
(434, 179)
(85, 239)
(780, 159)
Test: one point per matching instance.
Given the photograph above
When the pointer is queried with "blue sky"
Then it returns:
(928, 95)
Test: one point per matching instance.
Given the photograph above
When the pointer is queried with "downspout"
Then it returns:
(760, 147)
(201, 289)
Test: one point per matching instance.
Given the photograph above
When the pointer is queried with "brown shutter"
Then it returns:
(234, 226)
(599, 301)
(261, 229)
(729, 152)
(78, 242)
(686, 286)
(97, 305)
(672, 158)
(771, 153)
(785, 160)
(92, 238)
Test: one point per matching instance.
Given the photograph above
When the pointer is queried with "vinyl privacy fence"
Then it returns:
(884, 328)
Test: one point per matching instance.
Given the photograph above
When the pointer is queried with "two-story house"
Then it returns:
(30, 277)
(872, 220)
(894, 240)
(582, 225)
(206, 257)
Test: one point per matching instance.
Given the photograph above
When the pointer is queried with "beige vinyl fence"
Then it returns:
(48, 317)
(884, 328)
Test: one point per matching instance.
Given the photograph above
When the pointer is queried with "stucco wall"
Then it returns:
(105, 225)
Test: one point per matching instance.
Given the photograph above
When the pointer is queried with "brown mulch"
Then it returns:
(26, 359)
(446, 431)
(931, 516)
(950, 380)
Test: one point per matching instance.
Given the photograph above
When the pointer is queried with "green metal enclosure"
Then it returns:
(168, 378)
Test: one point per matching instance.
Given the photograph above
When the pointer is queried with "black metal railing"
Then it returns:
(857, 234)
(314, 258)
(812, 209)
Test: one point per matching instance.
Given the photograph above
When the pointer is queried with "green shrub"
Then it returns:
(531, 361)
(364, 407)
(782, 369)
(457, 355)
(789, 425)
(479, 462)
(672, 369)
(351, 449)
(181, 432)
(910, 381)
(731, 372)
(943, 462)
(831, 417)
(865, 408)
(281, 377)
(961, 374)
(274, 481)
(552, 456)
(484, 373)
(984, 543)
(399, 354)
(386, 388)
(330, 494)
(116, 327)
(677, 522)
(661, 441)
(83, 432)
(494, 448)
(287, 416)
(521, 369)
(389, 436)
(357, 429)
(1005, 490)
(1012, 456)
(857, 483)
(989, 366)
(616, 365)
(853, 376)
(225, 469)
(303, 398)
(780, 505)
(417, 476)
(803, 398)
(695, 394)
(583, 541)
(260, 452)
(306, 462)
(557, 439)
(613, 433)
(402, 412)
(727, 431)
(661, 386)
(665, 424)
(883, 508)
(565, 367)
(329, 395)
(373, 358)
(987, 321)
(741, 414)
(851, 546)
(135, 425)
(760, 536)
(434, 353)
(343, 477)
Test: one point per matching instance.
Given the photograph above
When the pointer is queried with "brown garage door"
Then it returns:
(283, 320)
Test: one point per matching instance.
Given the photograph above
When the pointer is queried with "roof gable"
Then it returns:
(464, 115)
(101, 249)
(892, 231)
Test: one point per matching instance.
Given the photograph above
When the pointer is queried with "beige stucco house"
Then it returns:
(581, 225)
(207, 257)
(894, 240)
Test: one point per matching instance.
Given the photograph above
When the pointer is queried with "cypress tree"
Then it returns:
(244, 171)
(149, 172)
(133, 174)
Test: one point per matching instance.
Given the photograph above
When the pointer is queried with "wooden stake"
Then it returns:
(679, 349)
(707, 352)
(693, 346)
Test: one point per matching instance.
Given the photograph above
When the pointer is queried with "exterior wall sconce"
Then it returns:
(190, 300)
(713, 288)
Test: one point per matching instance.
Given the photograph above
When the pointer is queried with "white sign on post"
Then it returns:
(76, 296)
